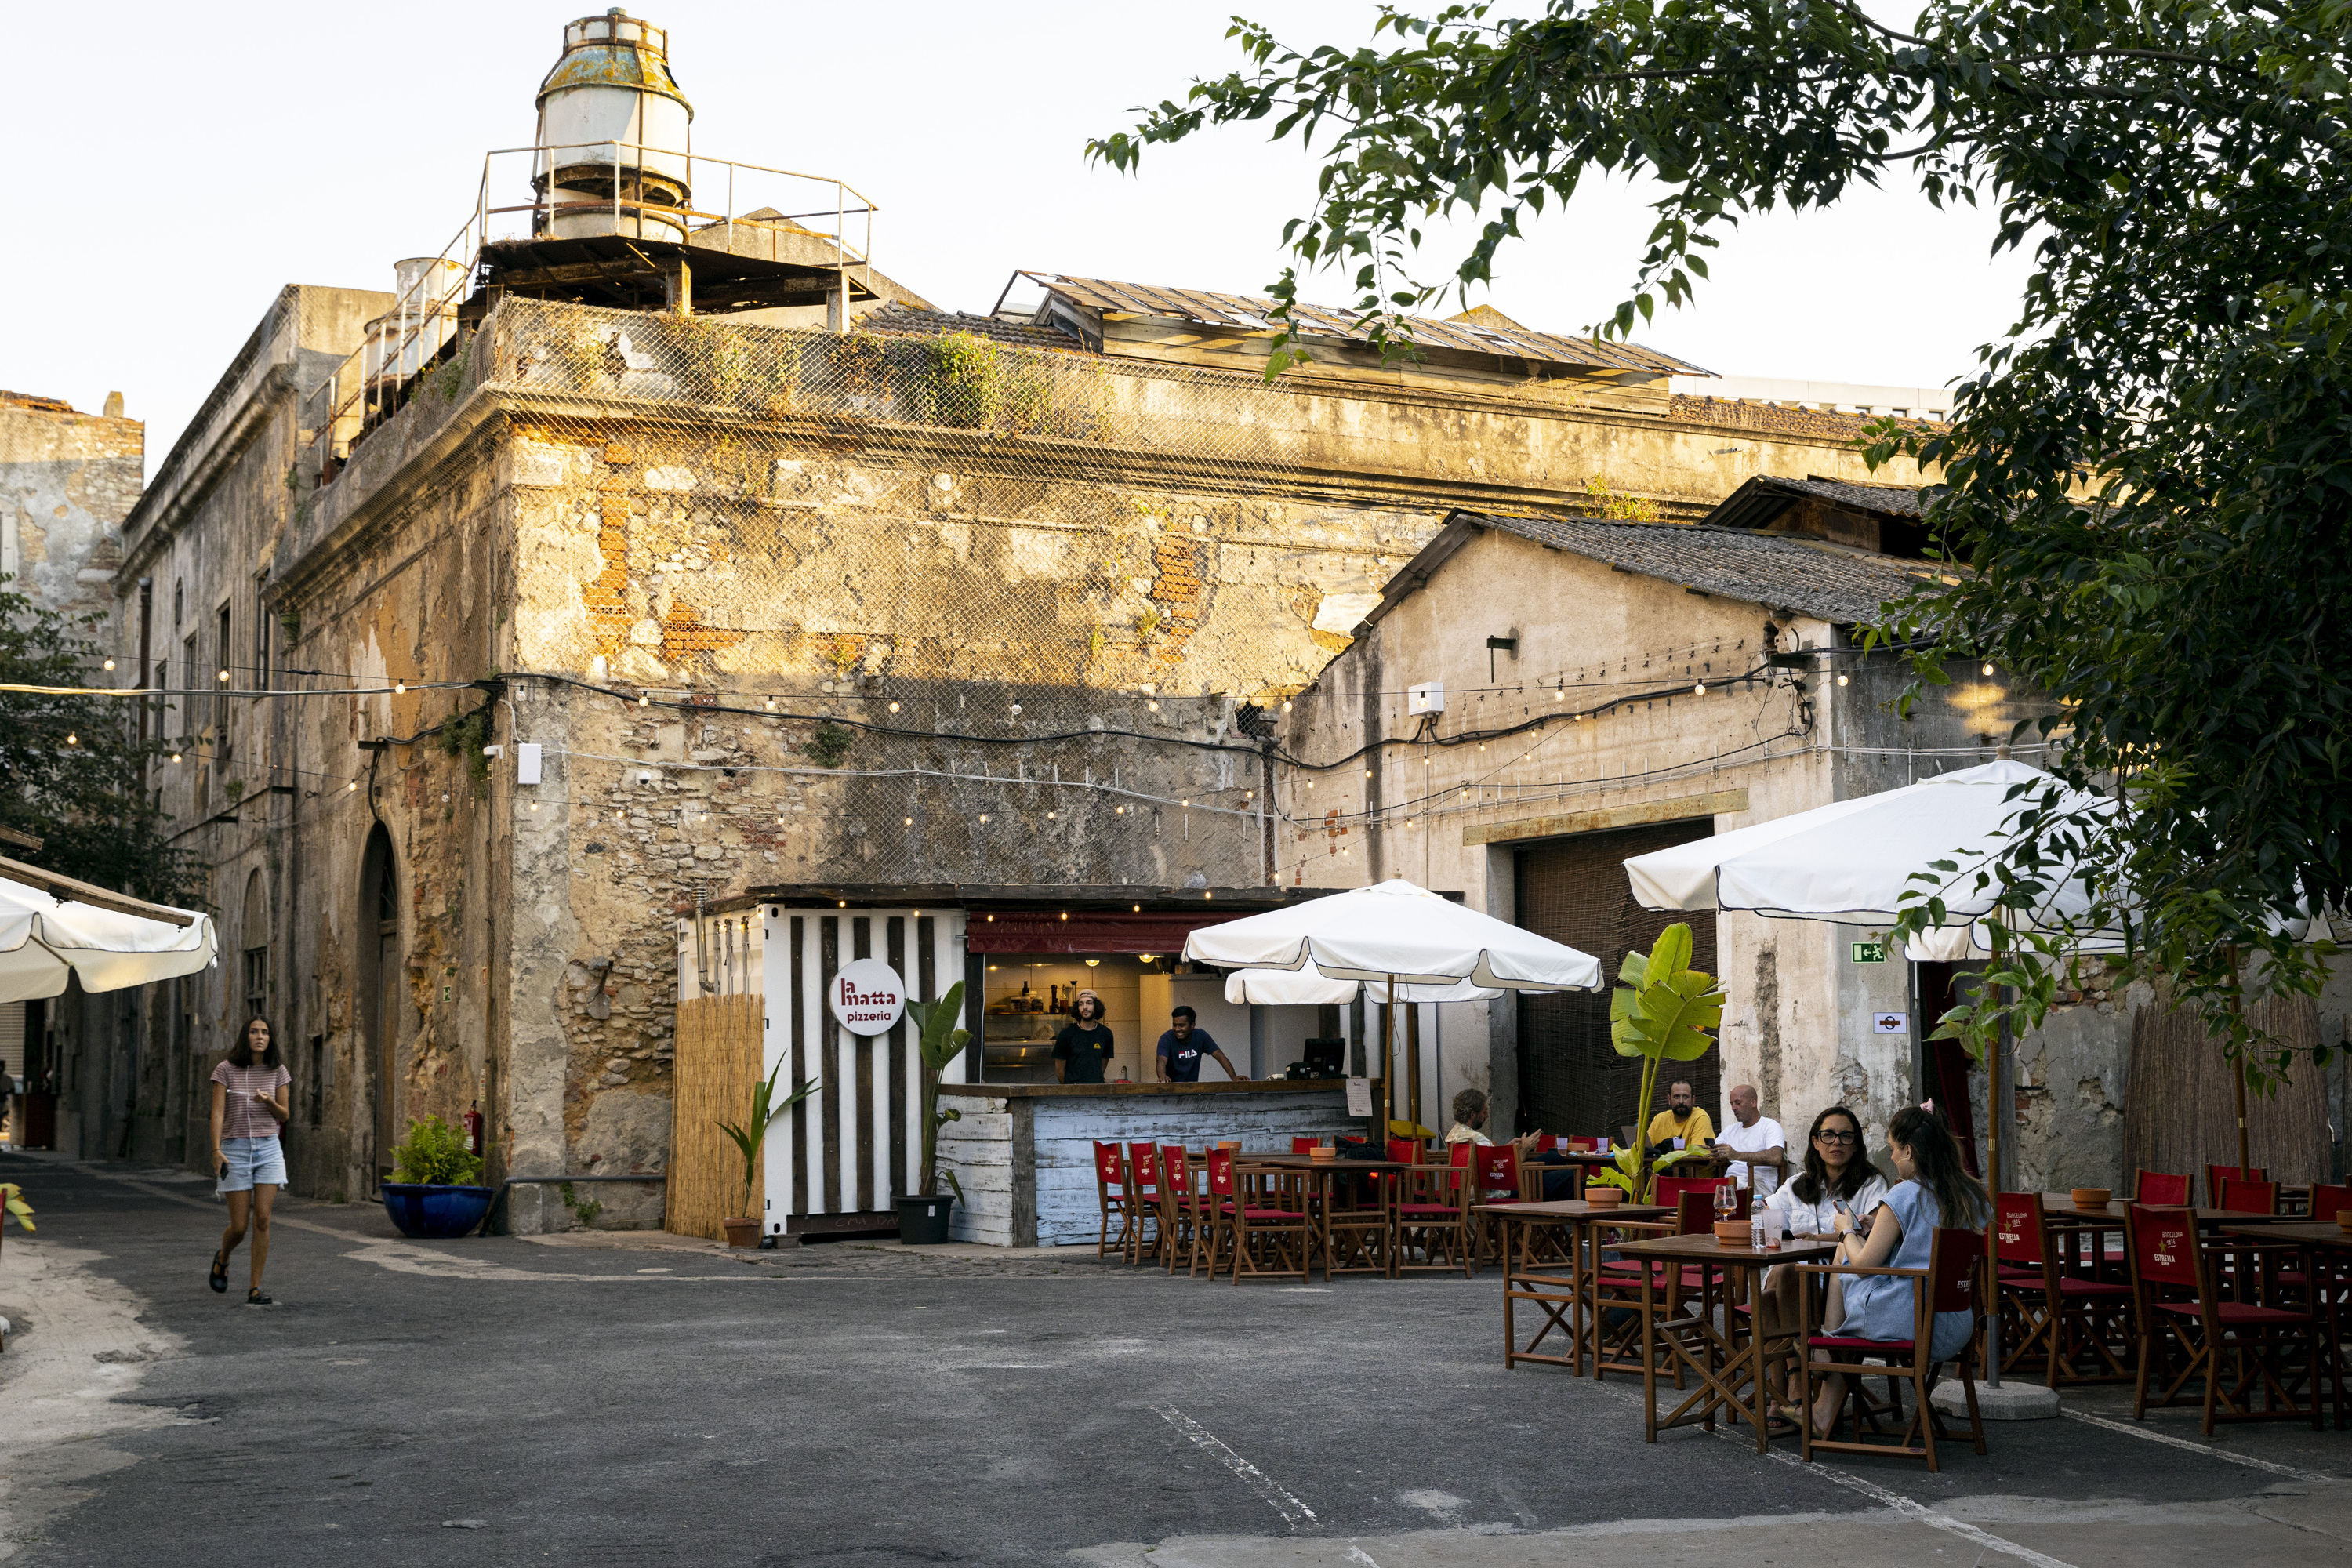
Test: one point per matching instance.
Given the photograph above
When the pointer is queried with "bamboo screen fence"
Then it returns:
(718, 1070)
(2181, 1103)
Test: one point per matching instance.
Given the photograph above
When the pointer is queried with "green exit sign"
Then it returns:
(1870, 953)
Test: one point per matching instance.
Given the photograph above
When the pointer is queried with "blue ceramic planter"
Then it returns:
(421, 1211)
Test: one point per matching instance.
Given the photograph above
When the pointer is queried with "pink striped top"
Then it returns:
(244, 1117)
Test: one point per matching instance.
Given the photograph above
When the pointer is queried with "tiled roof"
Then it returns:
(36, 401)
(1812, 577)
(1249, 312)
(905, 320)
(1764, 498)
(1747, 414)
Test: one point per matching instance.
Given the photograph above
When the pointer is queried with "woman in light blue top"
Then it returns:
(1935, 1191)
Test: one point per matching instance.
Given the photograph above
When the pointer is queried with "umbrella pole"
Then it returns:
(1992, 1173)
(1388, 1060)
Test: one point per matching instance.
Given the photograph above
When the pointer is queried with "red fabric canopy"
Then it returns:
(1086, 931)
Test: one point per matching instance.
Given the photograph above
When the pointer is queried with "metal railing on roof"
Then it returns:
(420, 330)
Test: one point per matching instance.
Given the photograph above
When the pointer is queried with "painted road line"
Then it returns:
(1258, 1480)
(2169, 1441)
(1918, 1511)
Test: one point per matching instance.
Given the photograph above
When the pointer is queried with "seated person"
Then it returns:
(1835, 1177)
(1682, 1125)
(1935, 1189)
(1757, 1137)
(1470, 1112)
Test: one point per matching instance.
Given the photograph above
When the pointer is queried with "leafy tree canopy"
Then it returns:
(69, 765)
(2149, 473)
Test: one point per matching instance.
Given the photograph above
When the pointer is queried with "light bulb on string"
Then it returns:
(894, 708)
(1987, 668)
(71, 739)
(1700, 689)
(1841, 680)
(645, 700)
(772, 705)
(109, 664)
(905, 822)
(399, 688)
(983, 816)
(1016, 710)
(224, 675)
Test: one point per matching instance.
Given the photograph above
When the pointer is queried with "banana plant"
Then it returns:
(12, 1200)
(941, 1043)
(1660, 1012)
(764, 1110)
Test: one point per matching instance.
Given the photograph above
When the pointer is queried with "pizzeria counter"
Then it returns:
(1025, 1152)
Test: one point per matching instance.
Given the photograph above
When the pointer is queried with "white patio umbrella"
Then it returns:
(53, 927)
(1312, 987)
(1853, 861)
(1394, 935)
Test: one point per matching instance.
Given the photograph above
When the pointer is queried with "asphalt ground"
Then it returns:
(596, 1398)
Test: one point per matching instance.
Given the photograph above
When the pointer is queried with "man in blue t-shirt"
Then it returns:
(1183, 1047)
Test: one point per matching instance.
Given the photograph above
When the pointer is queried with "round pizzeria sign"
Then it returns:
(868, 996)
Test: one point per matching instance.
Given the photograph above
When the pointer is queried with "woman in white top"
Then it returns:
(1835, 1174)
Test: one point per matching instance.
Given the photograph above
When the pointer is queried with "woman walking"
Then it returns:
(249, 1108)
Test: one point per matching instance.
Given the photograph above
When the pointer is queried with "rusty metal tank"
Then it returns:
(613, 133)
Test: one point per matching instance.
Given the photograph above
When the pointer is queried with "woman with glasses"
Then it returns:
(1835, 1175)
(1935, 1191)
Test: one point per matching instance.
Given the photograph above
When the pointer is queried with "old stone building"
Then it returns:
(509, 614)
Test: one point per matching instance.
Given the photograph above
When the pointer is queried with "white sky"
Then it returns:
(189, 161)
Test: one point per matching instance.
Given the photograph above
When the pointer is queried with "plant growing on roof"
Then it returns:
(1662, 1012)
(941, 1042)
(765, 1109)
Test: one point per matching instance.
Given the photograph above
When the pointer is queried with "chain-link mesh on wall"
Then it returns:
(1009, 604)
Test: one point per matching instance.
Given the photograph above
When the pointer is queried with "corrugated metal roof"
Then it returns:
(1250, 312)
(1810, 577)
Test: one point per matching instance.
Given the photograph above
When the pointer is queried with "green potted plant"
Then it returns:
(432, 1191)
(743, 1229)
(923, 1218)
(1660, 1012)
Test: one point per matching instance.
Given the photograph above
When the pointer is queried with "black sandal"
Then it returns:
(257, 1297)
(220, 1273)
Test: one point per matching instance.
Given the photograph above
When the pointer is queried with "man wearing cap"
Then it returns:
(1085, 1043)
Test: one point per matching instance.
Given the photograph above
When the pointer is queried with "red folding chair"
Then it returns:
(2049, 1317)
(1258, 1218)
(2248, 1198)
(1432, 1219)
(1305, 1145)
(2156, 1188)
(1111, 1191)
(1952, 1282)
(1179, 1209)
(2187, 1331)
(1142, 1200)
(1498, 1181)
(2327, 1201)
(2213, 1174)
(1404, 1151)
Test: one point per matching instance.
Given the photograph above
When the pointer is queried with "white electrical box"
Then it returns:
(1429, 697)
(526, 761)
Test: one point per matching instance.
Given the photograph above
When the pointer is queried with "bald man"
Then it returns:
(1762, 1146)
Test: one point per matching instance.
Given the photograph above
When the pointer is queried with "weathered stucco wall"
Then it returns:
(67, 481)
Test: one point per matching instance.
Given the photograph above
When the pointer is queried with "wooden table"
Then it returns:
(1564, 1292)
(1731, 1375)
(2311, 1233)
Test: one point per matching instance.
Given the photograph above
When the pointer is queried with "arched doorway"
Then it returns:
(379, 991)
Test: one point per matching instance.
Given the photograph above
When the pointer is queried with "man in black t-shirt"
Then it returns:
(1183, 1047)
(1083, 1046)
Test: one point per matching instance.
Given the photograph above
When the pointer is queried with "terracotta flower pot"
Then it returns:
(2090, 1197)
(1603, 1198)
(1733, 1232)
(741, 1231)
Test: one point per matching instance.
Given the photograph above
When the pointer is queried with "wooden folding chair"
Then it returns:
(1258, 1219)
(2051, 1318)
(2187, 1330)
(2248, 1198)
(2213, 1174)
(1142, 1200)
(1497, 1179)
(1358, 1221)
(1617, 1286)
(1111, 1191)
(2157, 1188)
(1432, 1219)
(1179, 1209)
(1952, 1282)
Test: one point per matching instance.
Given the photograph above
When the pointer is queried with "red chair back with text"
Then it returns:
(1220, 1172)
(2017, 1229)
(1695, 1211)
(1144, 1160)
(1171, 1161)
(1107, 1171)
(2164, 1245)
(1498, 1171)
(1953, 1266)
(2155, 1187)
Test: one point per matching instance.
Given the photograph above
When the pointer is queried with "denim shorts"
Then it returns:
(252, 1161)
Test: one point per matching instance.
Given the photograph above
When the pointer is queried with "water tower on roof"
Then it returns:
(614, 134)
